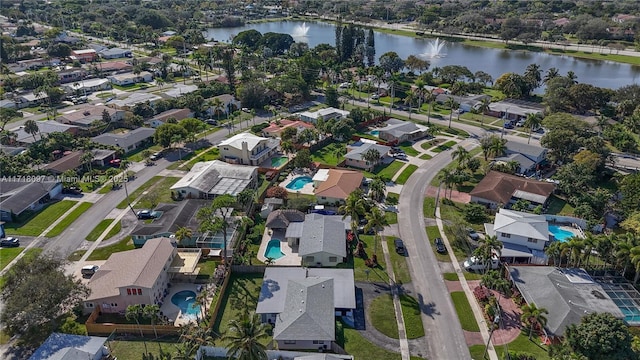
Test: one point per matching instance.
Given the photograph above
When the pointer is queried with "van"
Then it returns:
(476, 264)
(89, 270)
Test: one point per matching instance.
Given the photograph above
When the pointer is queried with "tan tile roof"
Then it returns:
(139, 267)
(339, 183)
(499, 187)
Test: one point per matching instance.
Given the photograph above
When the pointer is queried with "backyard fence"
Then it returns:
(106, 329)
(221, 290)
(246, 269)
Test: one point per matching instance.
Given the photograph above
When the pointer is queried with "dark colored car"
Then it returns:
(73, 190)
(10, 242)
(440, 246)
(399, 246)
(508, 125)
(145, 214)
(473, 234)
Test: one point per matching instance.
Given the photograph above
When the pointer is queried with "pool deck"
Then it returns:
(268, 164)
(563, 226)
(172, 311)
(306, 189)
(290, 258)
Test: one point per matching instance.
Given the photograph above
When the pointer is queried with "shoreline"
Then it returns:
(579, 51)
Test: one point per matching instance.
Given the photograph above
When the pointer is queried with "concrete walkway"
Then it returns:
(39, 239)
(477, 311)
(402, 332)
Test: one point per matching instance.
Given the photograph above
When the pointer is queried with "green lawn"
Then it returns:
(467, 275)
(412, 316)
(392, 218)
(103, 253)
(361, 349)
(431, 143)
(406, 173)
(446, 146)
(161, 193)
(433, 232)
(101, 227)
(399, 263)
(35, 225)
(465, 314)
(558, 206)
(207, 268)
(134, 195)
(241, 295)
(133, 349)
(8, 254)
(523, 344)
(383, 316)
(453, 164)
(426, 157)
(429, 207)
(69, 219)
(388, 171)
(328, 154)
(408, 149)
(210, 155)
(377, 274)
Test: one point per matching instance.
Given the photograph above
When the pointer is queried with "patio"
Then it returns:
(277, 161)
(173, 312)
(290, 257)
(307, 189)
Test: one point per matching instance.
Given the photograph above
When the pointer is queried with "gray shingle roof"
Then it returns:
(323, 233)
(17, 196)
(310, 311)
(528, 150)
(356, 152)
(124, 140)
(281, 218)
(173, 217)
(217, 178)
(397, 128)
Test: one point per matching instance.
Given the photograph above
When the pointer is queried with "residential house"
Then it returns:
(622, 18)
(85, 87)
(7, 104)
(44, 128)
(269, 205)
(69, 161)
(30, 64)
(229, 104)
(66, 38)
(281, 218)
(16, 197)
(514, 110)
(102, 157)
(130, 78)
(163, 117)
(325, 114)
(276, 128)
(355, 151)
(568, 294)
(398, 131)
(85, 115)
(498, 189)
(530, 157)
(337, 185)
(60, 346)
(209, 179)
(12, 150)
(561, 21)
(170, 218)
(128, 141)
(247, 149)
(70, 75)
(115, 53)
(180, 89)
(137, 277)
(30, 100)
(281, 290)
(84, 55)
(321, 240)
(114, 67)
(465, 103)
(135, 99)
(523, 235)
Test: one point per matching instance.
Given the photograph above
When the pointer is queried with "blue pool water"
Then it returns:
(559, 233)
(273, 249)
(185, 301)
(374, 132)
(299, 182)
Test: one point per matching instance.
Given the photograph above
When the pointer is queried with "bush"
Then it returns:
(517, 355)
(277, 192)
(475, 213)
(257, 129)
(482, 294)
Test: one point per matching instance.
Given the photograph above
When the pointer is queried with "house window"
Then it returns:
(333, 259)
(139, 291)
(290, 342)
(318, 342)
(114, 304)
(89, 305)
(505, 235)
(128, 291)
(531, 240)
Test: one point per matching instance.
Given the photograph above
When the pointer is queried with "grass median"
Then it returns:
(406, 173)
(69, 219)
(39, 222)
(101, 227)
(399, 263)
(465, 314)
(103, 253)
(134, 195)
(383, 316)
(412, 315)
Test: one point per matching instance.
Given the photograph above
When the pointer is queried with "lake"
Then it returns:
(493, 61)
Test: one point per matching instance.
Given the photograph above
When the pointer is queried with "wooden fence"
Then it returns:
(106, 329)
(216, 307)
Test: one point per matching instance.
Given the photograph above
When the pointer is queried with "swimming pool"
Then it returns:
(559, 233)
(185, 300)
(276, 162)
(375, 133)
(273, 250)
(299, 182)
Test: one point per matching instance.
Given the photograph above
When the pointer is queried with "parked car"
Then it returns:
(375, 96)
(440, 246)
(145, 214)
(89, 270)
(476, 264)
(508, 125)
(211, 122)
(399, 246)
(10, 242)
(73, 190)
(155, 156)
(473, 234)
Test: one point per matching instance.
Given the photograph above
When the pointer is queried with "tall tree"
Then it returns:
(532, 122)
(354, 207)
(217, 217)
(600, 336)
(244, 338)
(489, 247)
(182, 234)
(371, 48)
(462, 155)
(533, 316)
(31, 128)
(376, 221)
(451, 104)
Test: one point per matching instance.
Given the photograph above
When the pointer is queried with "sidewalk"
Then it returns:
(39, 239)
(402, 333)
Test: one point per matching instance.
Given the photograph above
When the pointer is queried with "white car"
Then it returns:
(475, 264)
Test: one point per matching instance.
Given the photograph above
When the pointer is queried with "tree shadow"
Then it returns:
(428, 309)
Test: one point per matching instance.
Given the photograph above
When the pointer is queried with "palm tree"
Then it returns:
(483, 108)
(572, 248)
(182, 234)
(202, 300)
(554, 251)
(253, 116)
(451, 103)
(498, 147)
(532, 315)
(572, 77)
(409, 100)
(376, 220)
(429, 98)
(623, 245)
(216, 218)
(152, 312)
(532, 122)
(218, 106)
(269, 261)
(486, 249)
(551, 73)
(31, 128)
(354, 207)
(244, 338)
(420, 92)
(462, 155)
(446, 176)
(635, 260)
(86, 159)
(134, 312)
(371, 156)
(377, 188)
